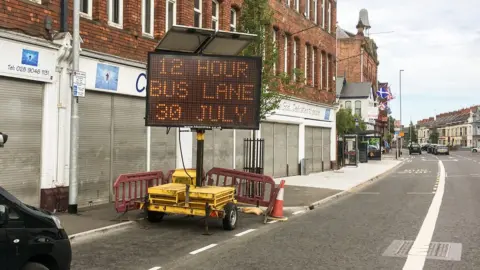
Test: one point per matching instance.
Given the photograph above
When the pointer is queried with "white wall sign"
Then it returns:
(304, 110)
(27, 61)
(114, 78)
(78, 83)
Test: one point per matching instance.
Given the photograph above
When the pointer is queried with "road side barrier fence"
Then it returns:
(129, 188)
(251, 188)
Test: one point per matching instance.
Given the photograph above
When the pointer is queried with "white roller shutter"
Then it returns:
(218, 149)
(163, 149)
(326, 149)
(267, 135)
(292, 150)
(313, 149)
(129, 136)
(95, 112)
(21, 119)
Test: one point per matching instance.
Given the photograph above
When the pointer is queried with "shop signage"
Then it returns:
(203, 91)
(303, 110)
(27, 62)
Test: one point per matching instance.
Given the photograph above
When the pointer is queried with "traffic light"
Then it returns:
(3, 139)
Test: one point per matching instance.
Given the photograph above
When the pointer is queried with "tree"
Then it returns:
(345, 121)
(392, 124)
(257, 18)
(412, 133)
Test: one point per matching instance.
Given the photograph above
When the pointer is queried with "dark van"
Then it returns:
(31, 238)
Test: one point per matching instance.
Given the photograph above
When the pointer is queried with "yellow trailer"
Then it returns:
(182, 196)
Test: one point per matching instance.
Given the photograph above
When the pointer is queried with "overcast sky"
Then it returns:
(434, 42)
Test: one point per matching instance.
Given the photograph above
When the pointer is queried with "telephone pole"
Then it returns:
(74, 118)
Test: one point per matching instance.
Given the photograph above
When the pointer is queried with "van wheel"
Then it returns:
(34, 266)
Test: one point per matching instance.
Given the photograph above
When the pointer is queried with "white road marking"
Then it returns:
(418, 253)
(367, 193)
(245, 232)
(420, 193)
(299, 212)
(155, 268)
(273, 221)
(202, 249)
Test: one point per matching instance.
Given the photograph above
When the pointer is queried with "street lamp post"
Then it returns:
(401, 124)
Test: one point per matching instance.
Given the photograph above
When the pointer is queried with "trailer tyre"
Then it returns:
(231, 217)
(34, 266)
(154, 216)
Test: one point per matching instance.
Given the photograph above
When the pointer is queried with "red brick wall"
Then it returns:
(28, 17)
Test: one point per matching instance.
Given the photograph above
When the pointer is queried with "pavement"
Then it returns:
(142, 245)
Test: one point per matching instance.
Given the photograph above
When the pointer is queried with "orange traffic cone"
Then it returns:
(277, 211)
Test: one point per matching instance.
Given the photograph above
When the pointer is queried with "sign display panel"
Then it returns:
(185, 90)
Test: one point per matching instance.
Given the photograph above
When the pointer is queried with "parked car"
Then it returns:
(442, 149)
(31, 238)
(476, 149)
(414, 148)
(425, 146)
(430, 148)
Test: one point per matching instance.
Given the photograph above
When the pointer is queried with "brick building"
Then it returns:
(116, 36)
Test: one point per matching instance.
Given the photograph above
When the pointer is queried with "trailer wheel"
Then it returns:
(154, 216)
(231, 217)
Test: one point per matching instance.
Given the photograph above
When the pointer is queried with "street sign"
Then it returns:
(186, 90)
(397, 123)
(397, 132)
(79, 82)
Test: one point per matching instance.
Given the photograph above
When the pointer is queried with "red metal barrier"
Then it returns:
(168, 179)
(132, 187)
(251, 188)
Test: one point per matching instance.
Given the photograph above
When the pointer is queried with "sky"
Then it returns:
(433, 42)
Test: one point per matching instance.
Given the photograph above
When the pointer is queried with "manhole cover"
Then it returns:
(436, 250)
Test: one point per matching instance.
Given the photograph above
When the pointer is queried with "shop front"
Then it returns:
(27, 72)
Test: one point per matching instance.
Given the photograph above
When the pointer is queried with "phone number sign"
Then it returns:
(203, 91)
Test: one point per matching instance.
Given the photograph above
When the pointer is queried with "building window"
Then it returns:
(305, 59)
(297, 5)
(307, 9)
(147, 17)
(285, 54)
(197, 14)
(115, 12)
(86, 7)
(348, 105)
(215, 11)
(313, 67)
(233, 20)
(329, 17)
(327, 74)
(294, 59)
(323, 14)
(358, 108)
(321, 71)
(315, 11)
(171, 14)
(274, 41)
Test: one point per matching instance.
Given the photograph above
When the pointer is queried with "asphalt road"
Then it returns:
(363, 230)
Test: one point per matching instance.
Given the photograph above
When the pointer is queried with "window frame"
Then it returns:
(152, 18)
(348, 104)
(217, 17)
(234, 17)
(120, 15)
(174, 21)
(315, 11)
(321, 70)
(329, 30)
(297, 5)
(87, 14)
(313, 67)
(305, 59)
(274, 40)
(359, 108)
(294, 59)
(327, 73)
(307, 9)
(198, 10)
(285, 54)
(323, 14)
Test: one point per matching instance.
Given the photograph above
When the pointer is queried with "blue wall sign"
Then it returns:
(327, 114)
(107, 77)
(30, 58)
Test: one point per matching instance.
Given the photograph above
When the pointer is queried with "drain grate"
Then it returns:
(436, 250)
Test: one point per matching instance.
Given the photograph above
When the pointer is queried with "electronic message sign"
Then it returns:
(186, 90)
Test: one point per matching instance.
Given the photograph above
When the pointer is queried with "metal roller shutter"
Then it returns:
(239, 147)
(326, 149)
(95, 148)
(292, 150)
(129, 152)
(163, 149)
(21, 105)
(318, 149)
(266, 130)
(308, 159)
(218, 149)
(280, 150)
